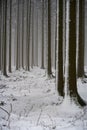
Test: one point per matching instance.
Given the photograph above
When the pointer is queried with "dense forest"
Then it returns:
(47, 34)
(68, 40)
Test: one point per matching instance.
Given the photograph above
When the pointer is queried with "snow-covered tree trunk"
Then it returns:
(67, 50)
(70, 69)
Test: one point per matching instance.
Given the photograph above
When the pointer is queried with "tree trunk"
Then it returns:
(37, 37)
(32, 35)
(10, 24)
(64, 35)
(72, 55)
(49, 71)
(81, 39)
(23, 34)
(0, 31)
(4, 39)
(55, 35)
(27, 28)
(18, 41)
(42, 64)
(29, 24)
(60, 82)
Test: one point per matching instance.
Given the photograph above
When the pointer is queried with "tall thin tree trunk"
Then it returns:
(4, 39)
(28, 22)
(18, 37)
(37, 37)
(10, 24)
(32, 35)
(72, 48)
(27, 34)
(23, 34)
(60, 84)
(55, 35)
(81, 39)
(42, 59)
(49, 71)
(0, 31)
(29, 25)
(64, 34)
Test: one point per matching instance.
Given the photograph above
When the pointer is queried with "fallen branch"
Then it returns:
(39, 117)
(9, 116)
(5, 111)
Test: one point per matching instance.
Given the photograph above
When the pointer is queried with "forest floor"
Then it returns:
(29, 101)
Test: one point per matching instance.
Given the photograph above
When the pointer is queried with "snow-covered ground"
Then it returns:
(29, 101)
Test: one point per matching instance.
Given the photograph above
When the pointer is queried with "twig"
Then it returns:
(39, 117)
(5, 111)
(9, 116)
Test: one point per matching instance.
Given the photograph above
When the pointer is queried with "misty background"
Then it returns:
(37, 4)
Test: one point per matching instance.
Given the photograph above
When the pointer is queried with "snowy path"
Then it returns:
(33, 104)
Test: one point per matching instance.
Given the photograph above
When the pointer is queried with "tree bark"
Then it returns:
(23, 34)
(49, 71)
(42, 59)
(18, 41)
(29, 23)
(5, 38)
(60, 84)
(72, 55)
(32, 63)
(0, 31)
(27, 28)
(10, 24)
(64, 35)
(2, 38)
(55, 35)
(81, 38)
(37, 36)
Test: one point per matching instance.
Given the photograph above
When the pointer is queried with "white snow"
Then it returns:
(29, 101)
